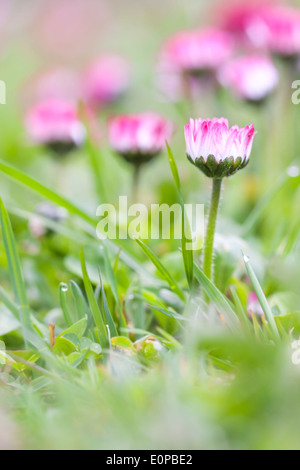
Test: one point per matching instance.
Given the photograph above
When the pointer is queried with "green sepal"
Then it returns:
(223, 169)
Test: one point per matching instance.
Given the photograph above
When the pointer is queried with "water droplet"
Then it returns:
(293, 171)
(246, 259)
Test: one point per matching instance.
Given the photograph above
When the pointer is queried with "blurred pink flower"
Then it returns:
(253, 306)
(217, 149)
(266, 24)
(196, 51)
(139, 136)
(277, 29)
(59, 83)
(251, 77)
(55, 123)
(236, 15)
(106, 80)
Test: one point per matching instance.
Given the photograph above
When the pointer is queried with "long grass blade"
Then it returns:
(162, 270)
(15, 271)
(63, 289)
(261, 298)
(106, 312)
(188, 256)
(217, 298)
(12, 307)
(93, 304)
(33, 185)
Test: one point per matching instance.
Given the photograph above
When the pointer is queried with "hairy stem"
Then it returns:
(211, 228)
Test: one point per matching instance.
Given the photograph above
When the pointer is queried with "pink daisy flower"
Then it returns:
(106, 80)
(55, 123)
(139, 137)
(215, 148)
(250, 77)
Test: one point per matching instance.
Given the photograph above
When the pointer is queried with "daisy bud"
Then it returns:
(106, 80)
(251, 78)
(217, 150)
(140, 137)
(55, 124)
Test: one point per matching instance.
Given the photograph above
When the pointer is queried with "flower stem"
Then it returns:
(211, 228)
(135, 183)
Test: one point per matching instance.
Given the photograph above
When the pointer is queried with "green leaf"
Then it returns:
(75, 359)
(64, 346)
(77, 329)
(162, 270)
(122, 342)
(87, 345)
(15, 270)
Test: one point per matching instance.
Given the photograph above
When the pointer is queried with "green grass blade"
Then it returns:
(106, 312)
(110, 275)
(15, 270)
(174, 168)
(63, 289)
(93, 304)
(264, 202)
(117, 260)
(188, 255)
(12, 307)
(80, 303)
(162, 270)
(240, 309)
(95, 163)
(33, 185)
(261, 298)
(55, 198)
(217, 298)
(165, 311)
